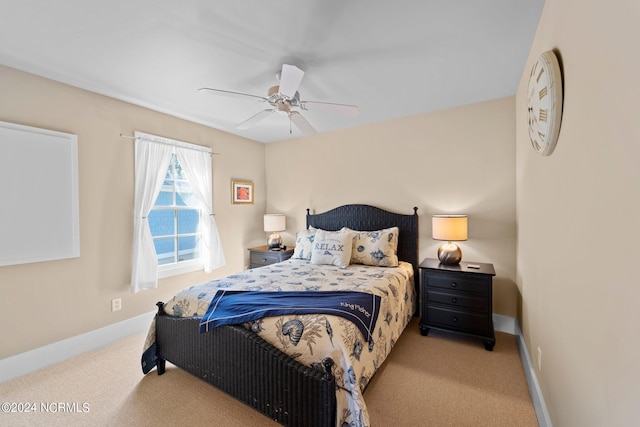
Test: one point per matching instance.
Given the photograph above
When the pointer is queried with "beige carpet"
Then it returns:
(439, 380)
(450, 380)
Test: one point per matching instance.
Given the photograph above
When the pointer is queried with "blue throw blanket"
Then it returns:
(234, 307)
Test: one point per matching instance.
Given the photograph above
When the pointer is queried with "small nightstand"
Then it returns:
(458, 299)
(261, 256)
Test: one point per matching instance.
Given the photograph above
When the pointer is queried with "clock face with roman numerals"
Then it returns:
(545, 103)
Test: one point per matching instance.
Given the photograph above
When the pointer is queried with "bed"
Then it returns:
(296, 385)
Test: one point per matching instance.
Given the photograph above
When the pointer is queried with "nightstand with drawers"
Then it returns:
(262, 255)
(457, 298)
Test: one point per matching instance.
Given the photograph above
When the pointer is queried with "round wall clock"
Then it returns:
(545, 103)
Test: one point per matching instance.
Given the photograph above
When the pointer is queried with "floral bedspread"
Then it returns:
(309, 338)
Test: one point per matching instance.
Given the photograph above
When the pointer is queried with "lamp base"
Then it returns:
(274, 241)
(449, 254)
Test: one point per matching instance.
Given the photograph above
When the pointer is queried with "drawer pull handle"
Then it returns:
(454, 300)
(455, 319)
(454, 284)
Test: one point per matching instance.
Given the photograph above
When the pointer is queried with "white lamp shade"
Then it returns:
(449, 227)
(275, 222)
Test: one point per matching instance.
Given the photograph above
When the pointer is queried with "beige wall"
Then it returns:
(45, 302)
(453, 161)
(460, 160)
(578, 217)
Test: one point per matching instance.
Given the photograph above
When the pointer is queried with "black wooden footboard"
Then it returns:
(240, 363)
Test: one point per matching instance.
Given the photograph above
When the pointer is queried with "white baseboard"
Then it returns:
(506, 324)
(29, 361)
(32, 360)
(534, 387)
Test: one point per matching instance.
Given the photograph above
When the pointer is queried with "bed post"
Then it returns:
(416, 269)
(328, 363)
(160, 363)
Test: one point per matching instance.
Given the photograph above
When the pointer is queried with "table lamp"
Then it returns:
(450, 228)
(272, 224)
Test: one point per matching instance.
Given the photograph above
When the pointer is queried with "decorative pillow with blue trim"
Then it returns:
(304, 244)
(377, 248)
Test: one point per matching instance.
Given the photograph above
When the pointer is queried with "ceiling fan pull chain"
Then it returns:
(290, 131)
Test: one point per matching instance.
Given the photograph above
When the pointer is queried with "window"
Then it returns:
(174, 221)
(174, 228)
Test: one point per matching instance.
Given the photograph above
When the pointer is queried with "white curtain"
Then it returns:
(196, 165)
(152, 161)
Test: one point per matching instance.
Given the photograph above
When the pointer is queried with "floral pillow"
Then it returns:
(332, 247)
(304, 243)
(378, 248)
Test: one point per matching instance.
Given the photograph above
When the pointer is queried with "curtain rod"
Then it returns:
(168, 143)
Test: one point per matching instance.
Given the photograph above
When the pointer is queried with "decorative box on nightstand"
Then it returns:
(457, 298)
(261, 256)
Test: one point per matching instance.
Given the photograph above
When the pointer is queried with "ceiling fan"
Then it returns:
(285, 98)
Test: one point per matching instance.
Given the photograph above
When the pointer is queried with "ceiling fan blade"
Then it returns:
(302, 124)
(290, 79)
(328, 107)
(255, 119)
(230, 93)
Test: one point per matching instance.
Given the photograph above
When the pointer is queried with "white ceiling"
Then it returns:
(391, 58)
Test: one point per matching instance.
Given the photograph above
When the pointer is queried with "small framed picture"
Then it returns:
(241, 193)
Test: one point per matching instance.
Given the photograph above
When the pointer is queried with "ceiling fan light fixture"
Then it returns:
(273, 90)
(283, 107)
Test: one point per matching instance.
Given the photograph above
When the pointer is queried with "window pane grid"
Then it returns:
(175, 219)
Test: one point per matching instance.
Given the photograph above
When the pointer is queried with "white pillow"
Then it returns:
(304, 244)
(332, 247)
(378, 248)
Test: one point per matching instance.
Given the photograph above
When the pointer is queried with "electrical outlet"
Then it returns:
(539, 359)
(116, 304)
